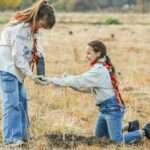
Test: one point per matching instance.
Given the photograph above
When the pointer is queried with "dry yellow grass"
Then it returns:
(63, 110)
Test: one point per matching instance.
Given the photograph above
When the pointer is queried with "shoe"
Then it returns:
(18, 143)
(147, 130)
(133, 125)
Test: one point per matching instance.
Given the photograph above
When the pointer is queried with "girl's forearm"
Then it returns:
(57, 82)
(61, 82)
(81, 90)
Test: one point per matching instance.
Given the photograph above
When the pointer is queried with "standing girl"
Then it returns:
(19, 51)
(101, 81)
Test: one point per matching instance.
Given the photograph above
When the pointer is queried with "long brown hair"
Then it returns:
(99, 46)
(33, 14)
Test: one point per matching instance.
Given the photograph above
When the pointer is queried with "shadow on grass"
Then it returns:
(71, 141)
(68, 141)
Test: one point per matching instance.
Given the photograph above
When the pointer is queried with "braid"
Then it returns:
(108, 64)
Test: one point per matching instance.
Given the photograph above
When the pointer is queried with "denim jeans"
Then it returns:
(109, 124)
(15, 110)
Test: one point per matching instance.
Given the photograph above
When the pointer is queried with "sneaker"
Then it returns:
(19, 143)
(133, 126)
(147, 130)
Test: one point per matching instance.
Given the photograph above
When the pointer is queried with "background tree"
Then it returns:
(9, 4)
(141, 5)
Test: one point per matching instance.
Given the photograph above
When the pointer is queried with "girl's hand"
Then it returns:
(50, 81)
(40, 80)
(65, 75)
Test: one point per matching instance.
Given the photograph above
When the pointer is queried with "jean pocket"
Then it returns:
(8, 83)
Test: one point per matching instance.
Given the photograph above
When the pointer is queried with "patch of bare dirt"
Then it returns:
(68, 141)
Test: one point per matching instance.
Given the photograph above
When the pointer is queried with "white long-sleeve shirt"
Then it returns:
(16, 46)
(97, 79)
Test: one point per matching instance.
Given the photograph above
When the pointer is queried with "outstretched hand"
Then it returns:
(41, 80)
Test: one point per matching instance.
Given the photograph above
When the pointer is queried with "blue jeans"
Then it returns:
(15, 110)
(109, 124)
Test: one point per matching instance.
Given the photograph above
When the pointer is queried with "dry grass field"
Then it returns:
(60, 116)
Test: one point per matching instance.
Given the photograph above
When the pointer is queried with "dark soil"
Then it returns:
(69, 141)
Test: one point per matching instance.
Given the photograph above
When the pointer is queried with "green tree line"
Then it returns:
(71, 5)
